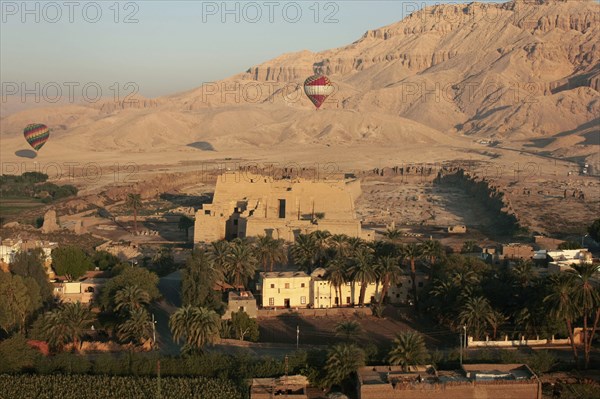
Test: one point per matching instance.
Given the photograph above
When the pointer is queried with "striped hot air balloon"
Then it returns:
(36, 135)
(317, 89)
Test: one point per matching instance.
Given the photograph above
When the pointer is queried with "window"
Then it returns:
(303, 300)
(287, 286)
(271, 301)
(348, 300)
(281, 209)
(206, 212)
(302, 285)
(272, 285)
(235, 222)
(421, 284)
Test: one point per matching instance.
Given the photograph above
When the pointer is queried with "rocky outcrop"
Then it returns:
(50, 222)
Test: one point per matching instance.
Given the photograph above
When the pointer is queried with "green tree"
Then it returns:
(339, 246)
(562, 306)
(468, 247)
(130, 298)
(137, 327)
(132, 275)
(241, 264)
(337, 276)
(408, 349)
(184, 224)
(569, 245)
(587, 299)
(270, 251)
(348, 330)
(304, 252)
(31, 264)
(71, 261)
(16, 355)
(342, 361)
(197, 327)
(393, 234)
(432, 250)
(362, 269)
(134, 202)
(104, 260)
(412, 252)
(19, 298)
(390, 273)
(244, 326)
(475, 314)
(67, 324)
(199, 278)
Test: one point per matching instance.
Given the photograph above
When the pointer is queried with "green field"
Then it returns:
(11, 206)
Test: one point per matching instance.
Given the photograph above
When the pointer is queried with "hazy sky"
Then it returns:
(171, 46)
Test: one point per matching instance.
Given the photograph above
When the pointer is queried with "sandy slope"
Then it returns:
(411, 90)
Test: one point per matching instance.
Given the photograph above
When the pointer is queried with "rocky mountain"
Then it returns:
(523, 72)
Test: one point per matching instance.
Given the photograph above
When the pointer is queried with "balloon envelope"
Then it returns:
(317, 89)
(36, 135)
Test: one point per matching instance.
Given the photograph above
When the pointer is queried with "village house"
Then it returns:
(292, 387)
(9, 248)
(516, 251)
(248, 205)
(85, 290)
(561, 260)
(299, 290)
(240, 300)
(498, 381)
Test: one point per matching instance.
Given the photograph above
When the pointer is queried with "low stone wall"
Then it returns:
(267, 313)
(506, 343)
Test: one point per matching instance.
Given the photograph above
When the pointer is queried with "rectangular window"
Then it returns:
(272, 285)
(348, 300)
(303, 300)
(287, 286)
(281, 209)
(235, 222)
(302, 285)
(271, 301)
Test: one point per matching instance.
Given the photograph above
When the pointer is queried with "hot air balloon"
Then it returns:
(317, 89)
(36, 135)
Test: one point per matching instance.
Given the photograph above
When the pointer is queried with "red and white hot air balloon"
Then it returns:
(317, 89)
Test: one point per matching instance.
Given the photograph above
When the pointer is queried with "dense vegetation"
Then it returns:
(92, 387)
(34, 185)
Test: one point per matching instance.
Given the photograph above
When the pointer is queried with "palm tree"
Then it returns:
(130, 298)
(433, 250)
(562, 306)
(475, 314)
(67, 324)
(412, 252)
(304, 251)
(196, 326)
(349, 330)
(321, 243)
(496, 319)
(522, 273)
(362, 270)
(408, 350)
(587, 298)
(342, 361)
(137, 327)
(390, 273)
(134, 202)
(393, 234)
(336, 274)
(338, 243)
(241, 263)
(270, 251)
(219, 251)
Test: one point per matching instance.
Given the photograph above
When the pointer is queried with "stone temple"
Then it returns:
(255, 205)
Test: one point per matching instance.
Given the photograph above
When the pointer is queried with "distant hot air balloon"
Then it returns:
(317, 89)
(36, 135)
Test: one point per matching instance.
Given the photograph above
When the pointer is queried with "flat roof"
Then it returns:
(284, 274)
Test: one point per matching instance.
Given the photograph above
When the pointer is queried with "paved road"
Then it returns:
(169, 287)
